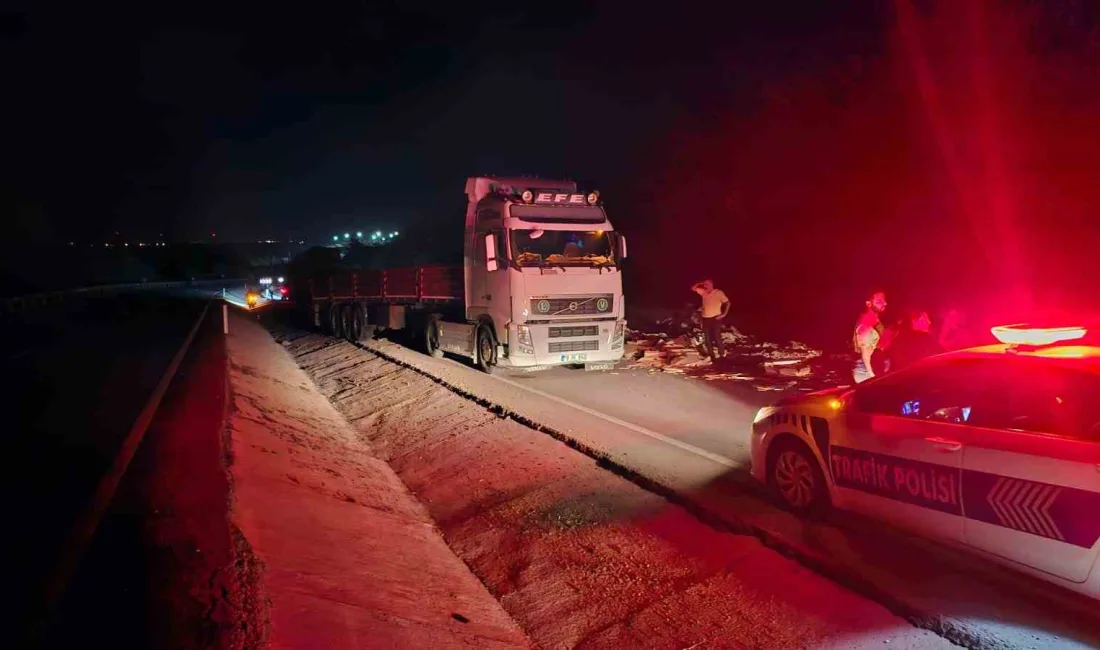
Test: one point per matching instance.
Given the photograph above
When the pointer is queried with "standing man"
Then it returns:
(913, 343)
(715, 307)
(866, 337)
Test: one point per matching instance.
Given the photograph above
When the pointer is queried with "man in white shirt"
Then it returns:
(866, 337)
(715, 307)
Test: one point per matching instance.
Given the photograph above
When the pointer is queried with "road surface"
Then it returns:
(76, 380)
(714, 416)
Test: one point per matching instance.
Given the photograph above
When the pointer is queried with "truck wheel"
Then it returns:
(351, 331)
(358, 324)
(430, 333)
(336, 321)
(328, 324)
(486, 349)
(795, 478)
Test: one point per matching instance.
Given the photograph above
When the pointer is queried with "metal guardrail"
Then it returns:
(53, 298)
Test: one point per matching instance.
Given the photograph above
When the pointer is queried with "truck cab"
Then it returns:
(543, 269)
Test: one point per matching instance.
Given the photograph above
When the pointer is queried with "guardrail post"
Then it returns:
(225, 319)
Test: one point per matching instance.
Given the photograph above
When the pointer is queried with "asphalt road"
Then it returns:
(715, 416)
(76, 380)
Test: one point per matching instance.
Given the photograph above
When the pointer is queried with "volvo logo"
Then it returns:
(572, 306)
(601, 304)
(544, 306)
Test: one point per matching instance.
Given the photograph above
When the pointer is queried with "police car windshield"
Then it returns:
(561, 248)
(1011, 393)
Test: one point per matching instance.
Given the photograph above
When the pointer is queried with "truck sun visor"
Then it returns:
(560, 214)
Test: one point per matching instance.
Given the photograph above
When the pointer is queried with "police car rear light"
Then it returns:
(1021, 334)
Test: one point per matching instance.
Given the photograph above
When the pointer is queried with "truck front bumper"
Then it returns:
(559, 344)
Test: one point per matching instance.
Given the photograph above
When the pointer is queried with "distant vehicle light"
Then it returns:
(281, 279)
(1021, 334)
(593, 197)
(527, 196)
(284, 290)
(251, 298)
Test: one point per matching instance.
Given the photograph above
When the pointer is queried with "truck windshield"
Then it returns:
(561, 248)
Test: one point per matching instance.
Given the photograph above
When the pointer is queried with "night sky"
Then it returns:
(936, 147)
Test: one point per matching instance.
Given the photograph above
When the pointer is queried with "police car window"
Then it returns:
(944, 391)
(1039, 398)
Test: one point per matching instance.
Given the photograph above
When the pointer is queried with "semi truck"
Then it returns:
(540, 284)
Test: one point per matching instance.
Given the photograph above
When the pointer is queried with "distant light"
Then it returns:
(281, 279)
(126, 244)
(378, 234)
(394, 233)
(359, 235)
(374, 236)
(347, 235)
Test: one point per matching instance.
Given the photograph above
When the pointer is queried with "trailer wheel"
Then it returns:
(486, 349)
(346, 316)
(358, 324)
(430, 333)
(336, 321)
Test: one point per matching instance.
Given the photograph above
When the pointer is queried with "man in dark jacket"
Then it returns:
(914, 342)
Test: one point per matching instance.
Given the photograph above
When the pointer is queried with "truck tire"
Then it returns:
(430, 334)
(486, 349)
(345, 321)
(358, 323)
(336, 321)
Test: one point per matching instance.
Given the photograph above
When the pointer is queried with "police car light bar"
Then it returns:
(1021, 334)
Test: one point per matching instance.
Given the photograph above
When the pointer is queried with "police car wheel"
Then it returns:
(795, 478)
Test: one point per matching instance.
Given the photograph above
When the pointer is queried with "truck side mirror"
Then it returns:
(622, 246)
(491, 263)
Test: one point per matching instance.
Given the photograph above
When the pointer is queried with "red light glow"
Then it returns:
(1021, 334)
(283, 290)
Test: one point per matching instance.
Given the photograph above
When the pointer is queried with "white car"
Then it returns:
(996, 449)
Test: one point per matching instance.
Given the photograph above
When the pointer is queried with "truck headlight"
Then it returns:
(523, 339)
(618, 335)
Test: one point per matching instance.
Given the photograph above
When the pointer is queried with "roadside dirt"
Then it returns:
(351, 559)
(580, 557)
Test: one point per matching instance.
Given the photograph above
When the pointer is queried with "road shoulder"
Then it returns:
(351, 558)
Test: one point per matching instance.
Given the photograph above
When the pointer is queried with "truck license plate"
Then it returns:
(576, 356)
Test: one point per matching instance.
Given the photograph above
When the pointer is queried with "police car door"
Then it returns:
(900, 455)
(1031, 487)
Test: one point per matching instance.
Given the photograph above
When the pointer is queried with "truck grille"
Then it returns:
(580, 330)
(575, 306)
(574, 346)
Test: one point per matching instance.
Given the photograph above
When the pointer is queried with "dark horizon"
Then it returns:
(800, 155)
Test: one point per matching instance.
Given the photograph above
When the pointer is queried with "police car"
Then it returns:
(994, 448)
